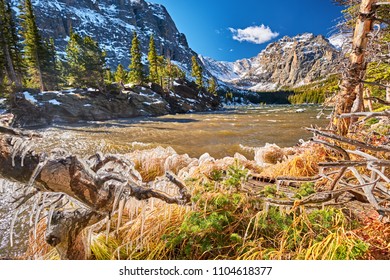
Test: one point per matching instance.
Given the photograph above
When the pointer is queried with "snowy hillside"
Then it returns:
(112, 23)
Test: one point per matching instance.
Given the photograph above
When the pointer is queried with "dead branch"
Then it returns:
(353, 163)
(375, 84)
(299, 179)
(367, 115)
(376, 99)
(349, 141)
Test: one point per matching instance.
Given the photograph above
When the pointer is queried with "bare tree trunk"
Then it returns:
(41, 82)
(357, 67)
(10, 68)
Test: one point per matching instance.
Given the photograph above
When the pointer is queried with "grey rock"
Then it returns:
(36, 109)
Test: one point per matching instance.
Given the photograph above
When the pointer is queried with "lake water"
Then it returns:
(221, 133)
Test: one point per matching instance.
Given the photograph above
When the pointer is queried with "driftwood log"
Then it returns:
(98, 183)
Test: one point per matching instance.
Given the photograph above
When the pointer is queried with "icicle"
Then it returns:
(15, 149)
(117, 198)
(266, 208)
(26, 149)
(142, 226)
(170, 212)
(136, 208)
(108, 226)
(151, 204)
(132, 209)
(12, 227)
(120, 212)
(13, 140)
(38, 214)
(35, 206)
(89, 237)
(50, 215)
(36, 172)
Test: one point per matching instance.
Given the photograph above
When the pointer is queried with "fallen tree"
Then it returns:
(100, 184)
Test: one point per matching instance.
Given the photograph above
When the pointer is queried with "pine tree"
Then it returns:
(109, 76)
(153, 62)
(86, 62)
(212, 86)
(120, 74)
(50, 73)
(74, 65)
(136, 75)
(93, 59)
(161, 65)
(10, 50)
(197, 72)
(38, 56)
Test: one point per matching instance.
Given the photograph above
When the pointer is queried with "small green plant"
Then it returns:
(305, 189)
(371, 121)
(236, 175)
(269, 191)
(217, 175)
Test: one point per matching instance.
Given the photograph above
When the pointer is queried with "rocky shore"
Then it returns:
(32, 108)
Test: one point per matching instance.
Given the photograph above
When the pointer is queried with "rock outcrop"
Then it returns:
(288, 62)
(34, 109)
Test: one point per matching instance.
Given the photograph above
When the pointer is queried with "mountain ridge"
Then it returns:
(290, 61)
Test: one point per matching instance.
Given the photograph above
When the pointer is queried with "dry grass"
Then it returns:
(38, 249)
(224, 222)
(302, 164)
(150, 163)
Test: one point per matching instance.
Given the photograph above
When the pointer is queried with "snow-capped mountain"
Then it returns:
(288, 62)
(112, 23)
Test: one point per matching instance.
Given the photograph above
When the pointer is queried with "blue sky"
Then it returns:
(230, 30)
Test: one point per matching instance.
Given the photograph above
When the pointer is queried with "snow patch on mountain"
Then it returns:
(222, 70)
(340, 40)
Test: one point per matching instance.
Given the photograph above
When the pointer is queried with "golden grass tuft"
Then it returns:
(302, 164)
(150, 163)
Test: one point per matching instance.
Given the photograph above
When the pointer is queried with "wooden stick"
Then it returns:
(353, 163)
(350, 141)
(366, 114)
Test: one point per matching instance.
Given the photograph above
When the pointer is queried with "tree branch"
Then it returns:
(350, 141)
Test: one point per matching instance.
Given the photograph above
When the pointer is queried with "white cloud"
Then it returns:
(254, 34)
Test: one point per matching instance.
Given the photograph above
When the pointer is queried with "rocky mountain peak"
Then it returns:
(290, 61)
